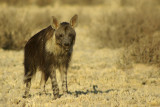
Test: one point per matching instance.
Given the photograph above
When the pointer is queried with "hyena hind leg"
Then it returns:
(29, 73)
(28, 86)
(27, 81)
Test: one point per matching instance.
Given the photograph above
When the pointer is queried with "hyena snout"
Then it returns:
(66, 46)
(66, 43)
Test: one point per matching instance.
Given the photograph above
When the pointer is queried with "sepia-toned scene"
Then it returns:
(115, 60)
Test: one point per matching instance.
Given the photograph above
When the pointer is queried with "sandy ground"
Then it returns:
(93, 80)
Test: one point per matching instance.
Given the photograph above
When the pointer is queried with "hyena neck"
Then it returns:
(53, 48)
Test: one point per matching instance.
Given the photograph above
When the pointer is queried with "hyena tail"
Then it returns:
(29, 73)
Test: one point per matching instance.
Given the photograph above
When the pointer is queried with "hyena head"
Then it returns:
(64, 32)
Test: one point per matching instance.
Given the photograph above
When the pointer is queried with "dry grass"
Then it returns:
(82, 2)
(145, 45)
(13, 30)
(93, 78)
(146, 50)
(28, 2)
(133, 26)
(16, 26)
(136, 28)
(123, 28)
(139, 2)
(43, 3)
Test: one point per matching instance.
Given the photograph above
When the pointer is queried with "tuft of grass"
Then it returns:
(145, 47)
(124, 62)
(146, 50)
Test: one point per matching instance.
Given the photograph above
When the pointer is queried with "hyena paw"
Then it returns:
(42, 93)
(56, 96)
(26, 96)
(65, 92)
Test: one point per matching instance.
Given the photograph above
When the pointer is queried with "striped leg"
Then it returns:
(63, 72)
(28, 86)
(29, 72)
(44, 79)
(54, 84)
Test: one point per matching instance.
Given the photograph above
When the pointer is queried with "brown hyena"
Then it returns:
(48, 50)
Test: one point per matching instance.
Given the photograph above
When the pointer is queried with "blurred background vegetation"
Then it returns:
(51, 2)
(133, 25)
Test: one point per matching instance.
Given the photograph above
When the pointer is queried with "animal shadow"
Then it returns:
(94, 91)
(77, 93)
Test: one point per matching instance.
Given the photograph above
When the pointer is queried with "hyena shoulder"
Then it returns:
(52, 47)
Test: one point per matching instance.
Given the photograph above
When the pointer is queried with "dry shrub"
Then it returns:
(146, 50)
(123, 28)
(51, 2)
(124, 62)
(118, 29)
(82, 2)
(134, 30)
(15, 2)
(139, 2)
(28, 2)
(16, 26)
(45, 2)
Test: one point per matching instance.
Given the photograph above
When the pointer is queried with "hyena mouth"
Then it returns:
(66, 48)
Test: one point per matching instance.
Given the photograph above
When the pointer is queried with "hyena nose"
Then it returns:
(66, 44)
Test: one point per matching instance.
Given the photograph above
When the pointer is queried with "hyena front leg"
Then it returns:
(54, 84)
(44, 79)
(63, 72)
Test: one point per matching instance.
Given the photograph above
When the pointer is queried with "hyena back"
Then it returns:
(48, 50)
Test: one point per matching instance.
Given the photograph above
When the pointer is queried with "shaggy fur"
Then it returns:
(48, 50)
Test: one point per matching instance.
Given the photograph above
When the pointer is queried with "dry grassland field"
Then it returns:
(116, 58)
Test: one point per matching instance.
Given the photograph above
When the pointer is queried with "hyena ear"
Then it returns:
(55, 23)
(74, 21)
